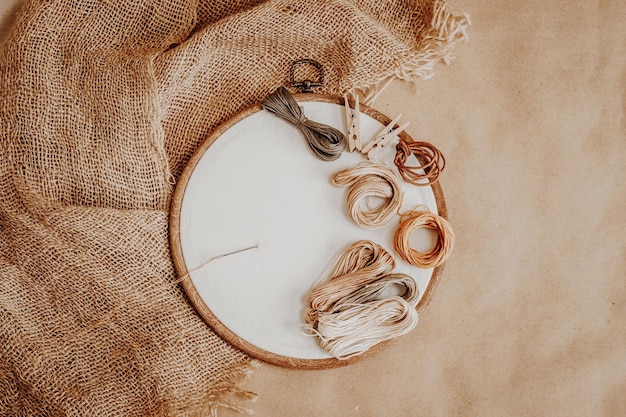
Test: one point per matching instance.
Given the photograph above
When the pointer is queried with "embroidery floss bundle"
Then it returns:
(415, 219)
(349, 312)
(325, 141)
(370, 179)
(431, 159)
(356, 329)
(363, 261)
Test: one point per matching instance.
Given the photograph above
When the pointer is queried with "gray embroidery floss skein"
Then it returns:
(325, 141)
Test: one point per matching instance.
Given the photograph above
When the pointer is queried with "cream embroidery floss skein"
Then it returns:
(415, 219)
(354, 330)
(348, 312)
(370, 179)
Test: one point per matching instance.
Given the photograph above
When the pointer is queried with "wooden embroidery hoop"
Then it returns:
(197, 300)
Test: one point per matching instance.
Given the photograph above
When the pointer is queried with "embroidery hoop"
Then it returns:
(194, 281)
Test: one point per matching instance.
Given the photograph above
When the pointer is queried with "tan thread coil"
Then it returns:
(347, 312)
(415, 219)
(370, 179)
(431, 159)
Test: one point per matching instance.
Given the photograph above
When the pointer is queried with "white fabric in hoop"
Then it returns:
(259, 184)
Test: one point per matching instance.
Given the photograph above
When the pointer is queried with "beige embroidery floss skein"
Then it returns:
(348, 313)
(370, 179)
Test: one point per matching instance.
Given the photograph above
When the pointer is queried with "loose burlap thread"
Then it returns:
(101, 106)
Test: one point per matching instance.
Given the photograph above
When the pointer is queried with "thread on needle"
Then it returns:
(205, 263)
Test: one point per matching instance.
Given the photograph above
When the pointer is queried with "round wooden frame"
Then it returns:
(197, 301)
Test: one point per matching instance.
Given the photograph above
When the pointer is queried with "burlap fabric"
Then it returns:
(101, 105)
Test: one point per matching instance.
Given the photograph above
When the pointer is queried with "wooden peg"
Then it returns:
(384, 137)
(354, 124)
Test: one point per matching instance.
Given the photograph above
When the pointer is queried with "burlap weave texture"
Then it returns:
(101, 105)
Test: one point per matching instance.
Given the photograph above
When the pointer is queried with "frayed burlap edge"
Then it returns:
(447, 29)
(232, 397)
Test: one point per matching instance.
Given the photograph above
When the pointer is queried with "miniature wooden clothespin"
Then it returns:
(354, 124)
(384, 137)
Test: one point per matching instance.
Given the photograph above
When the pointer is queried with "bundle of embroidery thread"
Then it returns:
(325, 141)
(369, 179)
(351, 312)
(431, 162)
(423, 218)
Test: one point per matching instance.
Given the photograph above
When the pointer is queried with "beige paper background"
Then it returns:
(529, 318)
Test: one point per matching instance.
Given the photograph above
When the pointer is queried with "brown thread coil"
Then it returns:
(431, 159)
(411, 221)
(369, 179)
